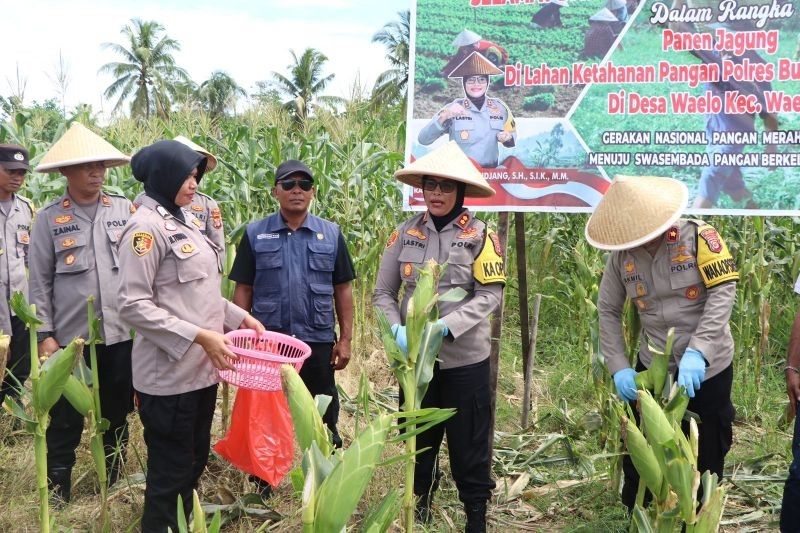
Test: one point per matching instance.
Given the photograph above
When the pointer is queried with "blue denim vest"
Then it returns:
(293, 287)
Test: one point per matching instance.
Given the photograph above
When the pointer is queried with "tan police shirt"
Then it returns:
(73, 257)
(689, 284)
(471, 253)
(208, 212)
(170, 289)
(14, 243)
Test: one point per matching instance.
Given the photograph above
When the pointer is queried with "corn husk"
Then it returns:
(78, 395)
(54, 373)
(642, 455)
(657, 427)
(381, 517)
(308, 425)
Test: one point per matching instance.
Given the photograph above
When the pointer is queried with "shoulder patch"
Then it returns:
(392, 239)
(489, 266)
(142, 243)
(713, 258)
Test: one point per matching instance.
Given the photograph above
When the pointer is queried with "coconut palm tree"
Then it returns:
(305, 82)
(392, 85)
(219, 93)
(147, 71)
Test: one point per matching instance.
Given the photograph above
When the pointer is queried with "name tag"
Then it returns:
(267, 236)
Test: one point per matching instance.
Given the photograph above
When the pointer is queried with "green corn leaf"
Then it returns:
(309, 497)
(683, 445)
(322, 401)
(23, 311)
(183, 527)
(13, 407)
(308, 425)
(340, 493)
(642, 521)
(78, 395)
(676, 407)
(54, 373)
(95, 332)
(455, 294)
(393, 352)
(430, 344)
(381, 517)
(98, 456)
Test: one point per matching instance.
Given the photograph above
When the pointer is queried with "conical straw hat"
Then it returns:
(466, 37)
(634, 211)
(604, 15)
(475, 65)
(211, 164)
(449, 162)
(80, 145)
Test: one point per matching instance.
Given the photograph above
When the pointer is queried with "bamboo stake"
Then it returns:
(497, 330)
(528, 362)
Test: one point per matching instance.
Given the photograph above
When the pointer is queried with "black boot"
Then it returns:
(476, 517)
(263, 488)
(59, 481)
(422, 512)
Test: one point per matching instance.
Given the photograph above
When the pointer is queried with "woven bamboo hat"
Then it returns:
(211, 164)
(475, 65)
(81, 145)
(604, 15)
(449, 162)
(466, 37)
(635, 210)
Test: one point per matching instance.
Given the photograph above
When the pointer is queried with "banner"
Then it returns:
(552, 99)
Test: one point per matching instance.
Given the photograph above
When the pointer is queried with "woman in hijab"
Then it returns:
(448, 233)
(170, 294)
(476, 122)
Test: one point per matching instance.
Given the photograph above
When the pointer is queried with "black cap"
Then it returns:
(292, 166)
(13, 157)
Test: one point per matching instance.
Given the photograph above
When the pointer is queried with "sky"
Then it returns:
(247, 39)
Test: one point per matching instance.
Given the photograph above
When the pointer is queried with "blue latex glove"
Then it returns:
(624, 381)
(691, 371)
(446, 330)
(399, 333)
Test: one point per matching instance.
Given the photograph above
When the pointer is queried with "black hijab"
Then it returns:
(442, 221)
(164, 167)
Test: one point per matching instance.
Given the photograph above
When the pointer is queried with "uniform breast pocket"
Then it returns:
(268, 310)
(322, 301)
(268, 254)
(463, 131)
(72, 256)
(459, 267)
(23, 240)
(320, 256)
(410, 260)
(679, 279)
(113, 242)
(190, 264)
(497, 124)
(639, 293)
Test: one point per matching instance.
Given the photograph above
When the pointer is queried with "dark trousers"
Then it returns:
(177, 431)
(317, 374)
(18, 367)
(790, 508)
(467, 390)
(116, 401)
(712, 403)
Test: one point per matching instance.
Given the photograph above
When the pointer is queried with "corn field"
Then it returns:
(559, 471)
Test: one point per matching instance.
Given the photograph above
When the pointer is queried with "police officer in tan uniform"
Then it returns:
(449, 233)
(16, 214)
(74, 256)
(476, 122)
(679, 274)
(203, 207)
(170, 294)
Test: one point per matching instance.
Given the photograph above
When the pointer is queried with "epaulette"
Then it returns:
(29, 203)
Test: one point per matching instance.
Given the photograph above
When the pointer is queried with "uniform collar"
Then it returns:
(275, 222)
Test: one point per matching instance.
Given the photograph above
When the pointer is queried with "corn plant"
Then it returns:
(198, 523)
(414, 368)
(87, 402)
(666, 459)
(47, 385)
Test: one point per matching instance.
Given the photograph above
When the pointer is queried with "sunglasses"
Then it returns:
(444, 186)
(288, 185)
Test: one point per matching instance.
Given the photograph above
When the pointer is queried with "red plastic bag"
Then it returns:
(260, 440)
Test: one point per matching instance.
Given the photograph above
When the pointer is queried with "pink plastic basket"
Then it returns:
(260, 358)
